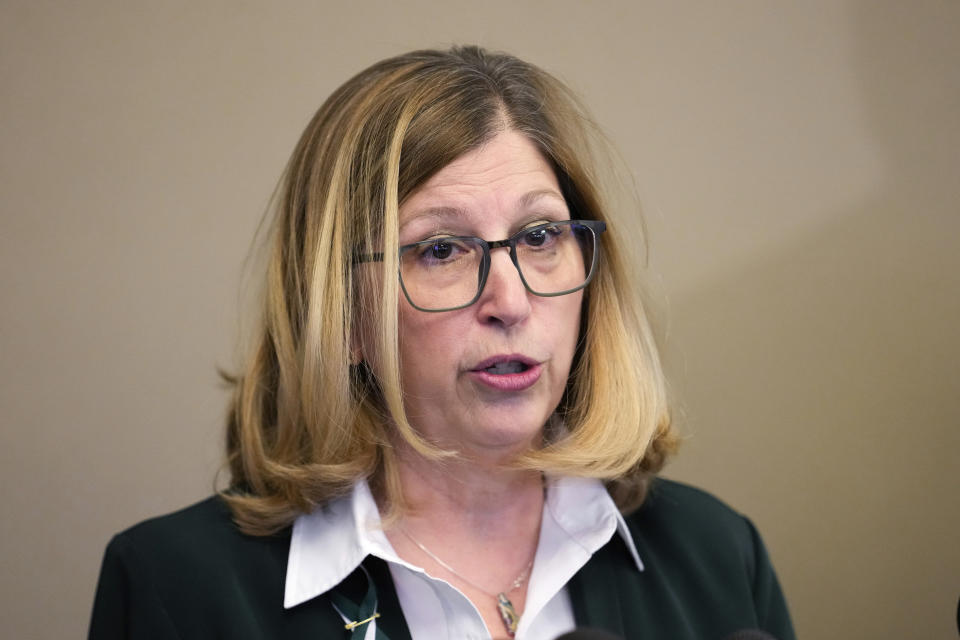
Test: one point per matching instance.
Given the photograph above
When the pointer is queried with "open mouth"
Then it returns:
(506, 368)
(507, 373)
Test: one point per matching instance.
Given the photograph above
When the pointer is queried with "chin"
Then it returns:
(512, 436)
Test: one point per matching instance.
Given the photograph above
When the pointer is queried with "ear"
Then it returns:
(362, 338)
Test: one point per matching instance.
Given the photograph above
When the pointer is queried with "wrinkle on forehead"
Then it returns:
(441, 213)
(508, 173)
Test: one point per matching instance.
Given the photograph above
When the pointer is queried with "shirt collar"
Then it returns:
(586, 512)
(329, 543)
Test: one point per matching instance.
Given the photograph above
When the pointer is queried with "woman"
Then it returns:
(447, 453)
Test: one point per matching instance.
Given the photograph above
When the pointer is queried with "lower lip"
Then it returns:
(508, 381)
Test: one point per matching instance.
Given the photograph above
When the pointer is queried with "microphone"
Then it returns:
(588, 633)
(749, 634)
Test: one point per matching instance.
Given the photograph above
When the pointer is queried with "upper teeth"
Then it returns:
(502, 368)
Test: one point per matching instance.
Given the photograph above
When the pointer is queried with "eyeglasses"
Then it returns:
(449, 272)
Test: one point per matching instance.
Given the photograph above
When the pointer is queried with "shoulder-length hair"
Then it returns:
(305, 423)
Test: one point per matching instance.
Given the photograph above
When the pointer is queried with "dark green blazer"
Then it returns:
(192, 575)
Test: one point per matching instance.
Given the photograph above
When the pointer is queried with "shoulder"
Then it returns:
(205, 523)
(193, 570)
(676, 496)
(684, 526)
(203, 532)
(684, 504)
(700, 550)
(196, 550)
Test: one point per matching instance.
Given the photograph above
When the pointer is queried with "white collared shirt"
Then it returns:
(579, 517)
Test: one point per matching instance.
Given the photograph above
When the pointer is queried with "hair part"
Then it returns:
(304, 423)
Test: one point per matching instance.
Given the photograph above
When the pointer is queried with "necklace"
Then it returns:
(504, 606)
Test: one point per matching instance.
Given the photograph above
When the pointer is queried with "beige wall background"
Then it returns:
(798, 162)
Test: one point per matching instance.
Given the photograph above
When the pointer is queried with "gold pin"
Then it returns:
(353, 625)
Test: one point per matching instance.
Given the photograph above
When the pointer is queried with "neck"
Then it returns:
(480, 494)
(476, 525)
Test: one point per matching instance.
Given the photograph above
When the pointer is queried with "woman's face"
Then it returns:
(484, 379)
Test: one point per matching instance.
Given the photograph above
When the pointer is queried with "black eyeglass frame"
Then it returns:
(596, 227)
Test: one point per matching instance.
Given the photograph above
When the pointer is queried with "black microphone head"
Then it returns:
(587, 633)
(749, 634)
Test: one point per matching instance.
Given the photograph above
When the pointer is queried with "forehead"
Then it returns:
(508, 173)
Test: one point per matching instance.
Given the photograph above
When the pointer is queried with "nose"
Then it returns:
(505, 300)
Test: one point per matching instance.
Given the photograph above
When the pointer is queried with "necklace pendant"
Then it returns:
(507, 613)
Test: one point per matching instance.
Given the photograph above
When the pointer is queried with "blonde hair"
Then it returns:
(305, 424)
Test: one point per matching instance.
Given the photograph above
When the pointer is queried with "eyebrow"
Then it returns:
(530, 198)
(436, 212)
(526, 201)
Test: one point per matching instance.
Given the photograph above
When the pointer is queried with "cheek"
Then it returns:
(567, 323)
(567, 330)
(425, 346)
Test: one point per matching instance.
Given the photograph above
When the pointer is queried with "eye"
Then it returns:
(541, 236)
(441, 251)
(535, 238)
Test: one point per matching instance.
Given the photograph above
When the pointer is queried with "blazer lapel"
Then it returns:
(593, 590)
(391, 619)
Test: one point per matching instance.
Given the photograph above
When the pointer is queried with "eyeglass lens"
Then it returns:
(446, 273)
